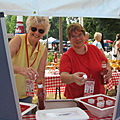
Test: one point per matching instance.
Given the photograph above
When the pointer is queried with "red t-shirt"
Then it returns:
(89, 63)
(86, 42)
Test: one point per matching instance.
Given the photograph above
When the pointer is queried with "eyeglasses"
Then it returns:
(75, 37)
(34, 29)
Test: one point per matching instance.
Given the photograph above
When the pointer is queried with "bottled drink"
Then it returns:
(41, 105)
(55, 57)
(103, 73)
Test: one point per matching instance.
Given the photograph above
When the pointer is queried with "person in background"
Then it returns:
(29, 55)
(98, 37)
(86, 37)
(116, 48)
(102, 42)
(81, 59)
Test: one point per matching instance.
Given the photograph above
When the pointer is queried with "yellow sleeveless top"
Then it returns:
(20, 59)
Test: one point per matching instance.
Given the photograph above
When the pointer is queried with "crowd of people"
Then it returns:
(29, 57)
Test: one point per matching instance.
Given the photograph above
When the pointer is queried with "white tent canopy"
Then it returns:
(50, 40)
(42, 41)
(62, 8)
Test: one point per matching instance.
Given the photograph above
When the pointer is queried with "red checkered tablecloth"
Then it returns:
(52, 81)
(114, 80)
(92, 117)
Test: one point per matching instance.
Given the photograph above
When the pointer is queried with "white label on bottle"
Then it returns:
(40, 85)
(103, 65)
(29, 87)
(89, 88)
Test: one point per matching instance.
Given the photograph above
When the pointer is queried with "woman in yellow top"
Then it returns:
(29, 55)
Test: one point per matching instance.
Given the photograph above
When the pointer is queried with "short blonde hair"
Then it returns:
(97, 35)
(73, 27)
(38, 20)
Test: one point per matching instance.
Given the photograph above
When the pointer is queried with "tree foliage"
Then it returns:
(12, 24)
(24, 22)
(54, 29)
(108, 27)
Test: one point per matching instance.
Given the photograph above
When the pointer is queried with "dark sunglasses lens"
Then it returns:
(34, 29)
(41, 31)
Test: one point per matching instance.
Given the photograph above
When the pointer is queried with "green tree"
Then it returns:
(89, 26)
(54, 29)
(107, 26)
(7, 21)
(64, 27)
(24, 22)
(12, 24)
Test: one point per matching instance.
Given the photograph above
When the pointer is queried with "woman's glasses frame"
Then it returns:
(75, 37)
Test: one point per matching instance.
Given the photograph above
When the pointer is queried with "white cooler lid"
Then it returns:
(74, 113)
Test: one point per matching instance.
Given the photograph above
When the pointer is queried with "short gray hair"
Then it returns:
(38, 20)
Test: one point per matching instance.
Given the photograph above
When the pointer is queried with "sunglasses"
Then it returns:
(34, 29)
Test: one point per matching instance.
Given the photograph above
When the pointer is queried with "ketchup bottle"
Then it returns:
(41, 105)
(55, 57)
(103, 73)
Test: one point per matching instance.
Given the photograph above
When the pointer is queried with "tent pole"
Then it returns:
(81, 20)
(47, 42)
(60, 36)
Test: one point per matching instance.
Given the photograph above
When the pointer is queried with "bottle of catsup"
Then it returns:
(103, 73)
(55, 57)
(41, 105)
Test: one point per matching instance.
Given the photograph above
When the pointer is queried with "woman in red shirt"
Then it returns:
(81, 59)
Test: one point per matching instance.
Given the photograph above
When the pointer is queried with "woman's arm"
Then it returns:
(70, 78)
(66, 77)
(118, 44)
(41, 68)
(14, 45)
(109, 73)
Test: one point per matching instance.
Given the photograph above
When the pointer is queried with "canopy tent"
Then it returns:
(50, 40)
(108, 41)
(42, 41)
(57, 42)
(62, 8)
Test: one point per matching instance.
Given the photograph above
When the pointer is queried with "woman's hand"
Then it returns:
(79, 79)
(109, 74)
(31, 73)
